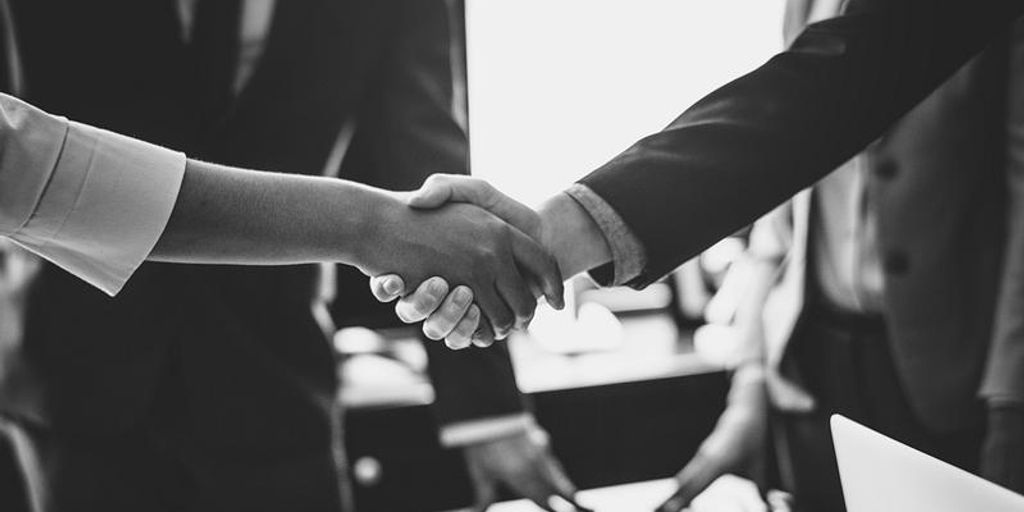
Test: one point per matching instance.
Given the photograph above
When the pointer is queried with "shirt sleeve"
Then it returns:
(628, 255)
(91, 201)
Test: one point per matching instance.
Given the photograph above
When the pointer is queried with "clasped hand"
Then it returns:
(497, 263)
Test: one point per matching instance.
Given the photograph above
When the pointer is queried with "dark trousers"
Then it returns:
(845, 362)
(12, 485)
(161, 465)
(135, 471)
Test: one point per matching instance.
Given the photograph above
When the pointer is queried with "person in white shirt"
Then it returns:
(501, 440)
(98, 204)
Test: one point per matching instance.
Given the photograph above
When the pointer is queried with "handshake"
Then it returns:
(472, 263)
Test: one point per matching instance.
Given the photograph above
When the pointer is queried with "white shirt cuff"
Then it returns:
(466, 433)
(106, 205)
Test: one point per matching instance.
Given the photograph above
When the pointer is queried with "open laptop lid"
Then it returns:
(880, 474)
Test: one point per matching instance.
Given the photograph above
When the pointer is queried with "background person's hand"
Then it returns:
(1002, 456)
(735, 442)
(522, 463)
(467, 246)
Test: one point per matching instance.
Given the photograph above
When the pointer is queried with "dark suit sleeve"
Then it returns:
(414, 126)
(758, 140)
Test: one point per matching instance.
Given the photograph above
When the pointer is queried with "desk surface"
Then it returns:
(729, 493)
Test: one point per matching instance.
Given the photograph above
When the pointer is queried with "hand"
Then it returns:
(1002, 457)
(734, 443)
(524, 464)
(450, 316)
(453, 317)
(561, 225)
(468, 246)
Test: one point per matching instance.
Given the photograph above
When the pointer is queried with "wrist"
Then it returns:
(367, 229)
(572, 236)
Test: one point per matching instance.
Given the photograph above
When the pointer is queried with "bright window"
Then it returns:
(557, 87)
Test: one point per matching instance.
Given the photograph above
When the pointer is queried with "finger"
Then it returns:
(535, 489)
(483, 337)
(387, 287)
(424, 301)
(485, 489)
(500, 317)
(693, 479)
(437, 190)
(462, 335)
(457, 343)
(444, 188)
(514, 289)
(540, 266)
(560, 482)
(442, 322)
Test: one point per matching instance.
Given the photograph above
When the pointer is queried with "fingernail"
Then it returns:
(462, 295)
(391, 285)
(436, 285)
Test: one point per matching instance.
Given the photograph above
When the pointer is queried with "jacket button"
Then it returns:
(886, 169)
(896, 263)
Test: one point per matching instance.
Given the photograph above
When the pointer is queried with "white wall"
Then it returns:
(558, 87)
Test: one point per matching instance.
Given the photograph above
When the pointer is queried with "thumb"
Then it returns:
(387, 288)
(435, 192)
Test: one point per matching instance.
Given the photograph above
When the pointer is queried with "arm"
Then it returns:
(1003, 386)
(98, 203)
(226, 215)
(739, 437)
(758, 140)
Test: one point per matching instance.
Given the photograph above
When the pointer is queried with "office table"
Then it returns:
(615, 417)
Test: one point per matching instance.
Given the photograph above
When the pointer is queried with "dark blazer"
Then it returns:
(756, 141)
(231, 359)
(938, 183)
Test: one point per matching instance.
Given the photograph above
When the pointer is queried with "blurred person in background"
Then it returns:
(214, 388)
(891, 292)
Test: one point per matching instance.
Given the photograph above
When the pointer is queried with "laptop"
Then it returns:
(880, 474)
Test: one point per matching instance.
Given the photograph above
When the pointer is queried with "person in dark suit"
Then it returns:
(752, 143)
(214, 388)
(897, 268)
(740, 150)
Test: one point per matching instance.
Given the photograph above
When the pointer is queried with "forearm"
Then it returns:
(231, 216)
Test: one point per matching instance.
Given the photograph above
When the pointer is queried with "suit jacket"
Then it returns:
(758, 140)
(938, 182)
(231, 358)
